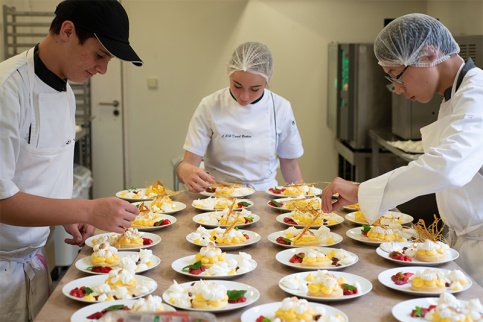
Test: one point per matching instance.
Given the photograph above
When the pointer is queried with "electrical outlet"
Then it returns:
(152, 83)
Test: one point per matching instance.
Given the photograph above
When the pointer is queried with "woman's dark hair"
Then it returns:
(82, 34)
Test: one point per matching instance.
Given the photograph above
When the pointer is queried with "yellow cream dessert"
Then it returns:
(215, 203)
(427, 280)
(131, 238)
(306, 238)
(316, 258)
(145, 218)
(227, 236)
(162, 204)
(105, 255)
(325, 285)
(122, 278)
(449, 309)
(381, 234)
(384, 220)
(296, 310)
(152, 303)
(210, 255)
(302, 204)
(430, 251)
(208, 295)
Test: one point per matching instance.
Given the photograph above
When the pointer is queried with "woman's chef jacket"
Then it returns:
(452, 167)
(37, 132)
(241, 143)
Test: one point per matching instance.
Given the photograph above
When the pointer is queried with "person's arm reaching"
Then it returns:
(290, 170)
(189, 173)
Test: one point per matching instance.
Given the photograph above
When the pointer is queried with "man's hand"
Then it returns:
(112, 214)
(348, 195)
(79, 232)
(194, 178)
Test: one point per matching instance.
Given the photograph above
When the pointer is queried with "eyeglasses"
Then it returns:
(396, 79)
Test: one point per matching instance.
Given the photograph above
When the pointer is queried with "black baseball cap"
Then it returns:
(107, 20)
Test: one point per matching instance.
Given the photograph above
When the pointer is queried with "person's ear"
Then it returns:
(269, 78)
(429, 54)
(67, 30)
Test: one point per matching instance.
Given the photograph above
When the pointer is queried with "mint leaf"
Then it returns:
(250, 219)
(235, 295)
(287, 240)
(300, 256)
(114, 307)
(88, 291)
(244, 203)
(90, 268)
(275, 203)
(418, 312)
(196, 265)
(365, 228)
(348, 287)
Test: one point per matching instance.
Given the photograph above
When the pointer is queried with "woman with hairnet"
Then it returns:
(421, 58)
(240, 130)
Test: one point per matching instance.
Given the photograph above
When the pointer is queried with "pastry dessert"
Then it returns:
(122, 278)
(131, 238)
(228, 236)
(306, 238)
(208, 295)
(105, 255)
(386, 219)
(430, 251)
(316, 258)
(381, 234)
(227, 217)
(162, 204)
(152, 303)
(456, 279)
(216, 203)
(427, 280)
(295, 310)
(210, 255)
(448, 308)
(302, 203)
(145, 218)
(325, 285)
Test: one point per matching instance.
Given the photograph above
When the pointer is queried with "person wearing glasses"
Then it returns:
(420, 56)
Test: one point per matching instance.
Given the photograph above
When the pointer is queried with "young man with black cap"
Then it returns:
(37, 132)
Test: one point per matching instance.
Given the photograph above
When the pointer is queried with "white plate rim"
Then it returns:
(281, 254)
(79, 264)
(351, 217)
(155, 238)
(252, 314)
(179, 206)
(256, 218)
(177, 267)
(406, 288)
(132, 199)
(453, 253)
(230, 285)
(251, 234)
(81, 314)
(89, 282)
(348, 276)
(273, 237)
(172, 219)
(319, 192)
(356, 231)
(283, 199)
(251, 203)
(280, 217)
(404, 306)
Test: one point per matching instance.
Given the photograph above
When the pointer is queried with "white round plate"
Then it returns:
(268, 310)
(82, 314)
(284, 257)
(178, 265)
(281, 200)
(451, 255)
(251, 295)
(280, 218)
(236, 194)
(402, 311)
(366, 286)
(96, 280)
(85, 262)
(170, 218)
(350, 208)
(385, 278)
(118, 194)
(273, 238)
(405, 219)
(356, 234)
(318, 192)
(253, 238)
(177, 205)
(250, 203)
(206, 214)
(155, 238)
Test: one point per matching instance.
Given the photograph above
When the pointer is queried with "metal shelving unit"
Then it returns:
(23, 30)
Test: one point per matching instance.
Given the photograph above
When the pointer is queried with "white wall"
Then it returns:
(186, 44)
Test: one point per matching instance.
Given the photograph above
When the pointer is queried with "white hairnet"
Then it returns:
(252, 57)
(412, 40)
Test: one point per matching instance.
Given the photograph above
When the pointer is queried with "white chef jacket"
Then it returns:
(240, 143)
(451, 167)
(37, 132)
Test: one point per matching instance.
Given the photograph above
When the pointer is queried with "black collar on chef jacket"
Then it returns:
(468, 65)
(47, 76)
(254, 102)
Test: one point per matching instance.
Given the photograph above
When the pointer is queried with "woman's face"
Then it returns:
(246, 87)
(420, 83)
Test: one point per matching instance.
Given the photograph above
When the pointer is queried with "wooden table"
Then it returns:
(374, 306)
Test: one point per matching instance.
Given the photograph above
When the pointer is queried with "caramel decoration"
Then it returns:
(432, 232)
(308, 224)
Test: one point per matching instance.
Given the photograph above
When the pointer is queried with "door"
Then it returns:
(107, 132)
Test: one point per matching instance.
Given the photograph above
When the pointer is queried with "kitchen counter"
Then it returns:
(374, 306)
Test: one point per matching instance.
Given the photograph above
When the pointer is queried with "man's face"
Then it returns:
(420, 83)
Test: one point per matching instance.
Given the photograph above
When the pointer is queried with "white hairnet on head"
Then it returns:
(413, 40)
(252, 57)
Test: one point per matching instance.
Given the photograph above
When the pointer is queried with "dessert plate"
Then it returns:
(253, 238)
(155, 238)
(451, 255)
(273, 238)
(337, 218)
(170, 218)
(284, 257)
(82, 314)
(268, 310)
(356, 234)
(236, 194)
(206, 208)
(86, 262)
(178, 265)
(93, 281)
(317, 191)
(206, 214)
(142, 190)
(177, 205)
(366, 286)
(353, 207)
(385, 278)
(402, 311)
(251, 295)
(402, 218)
(282, 207)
